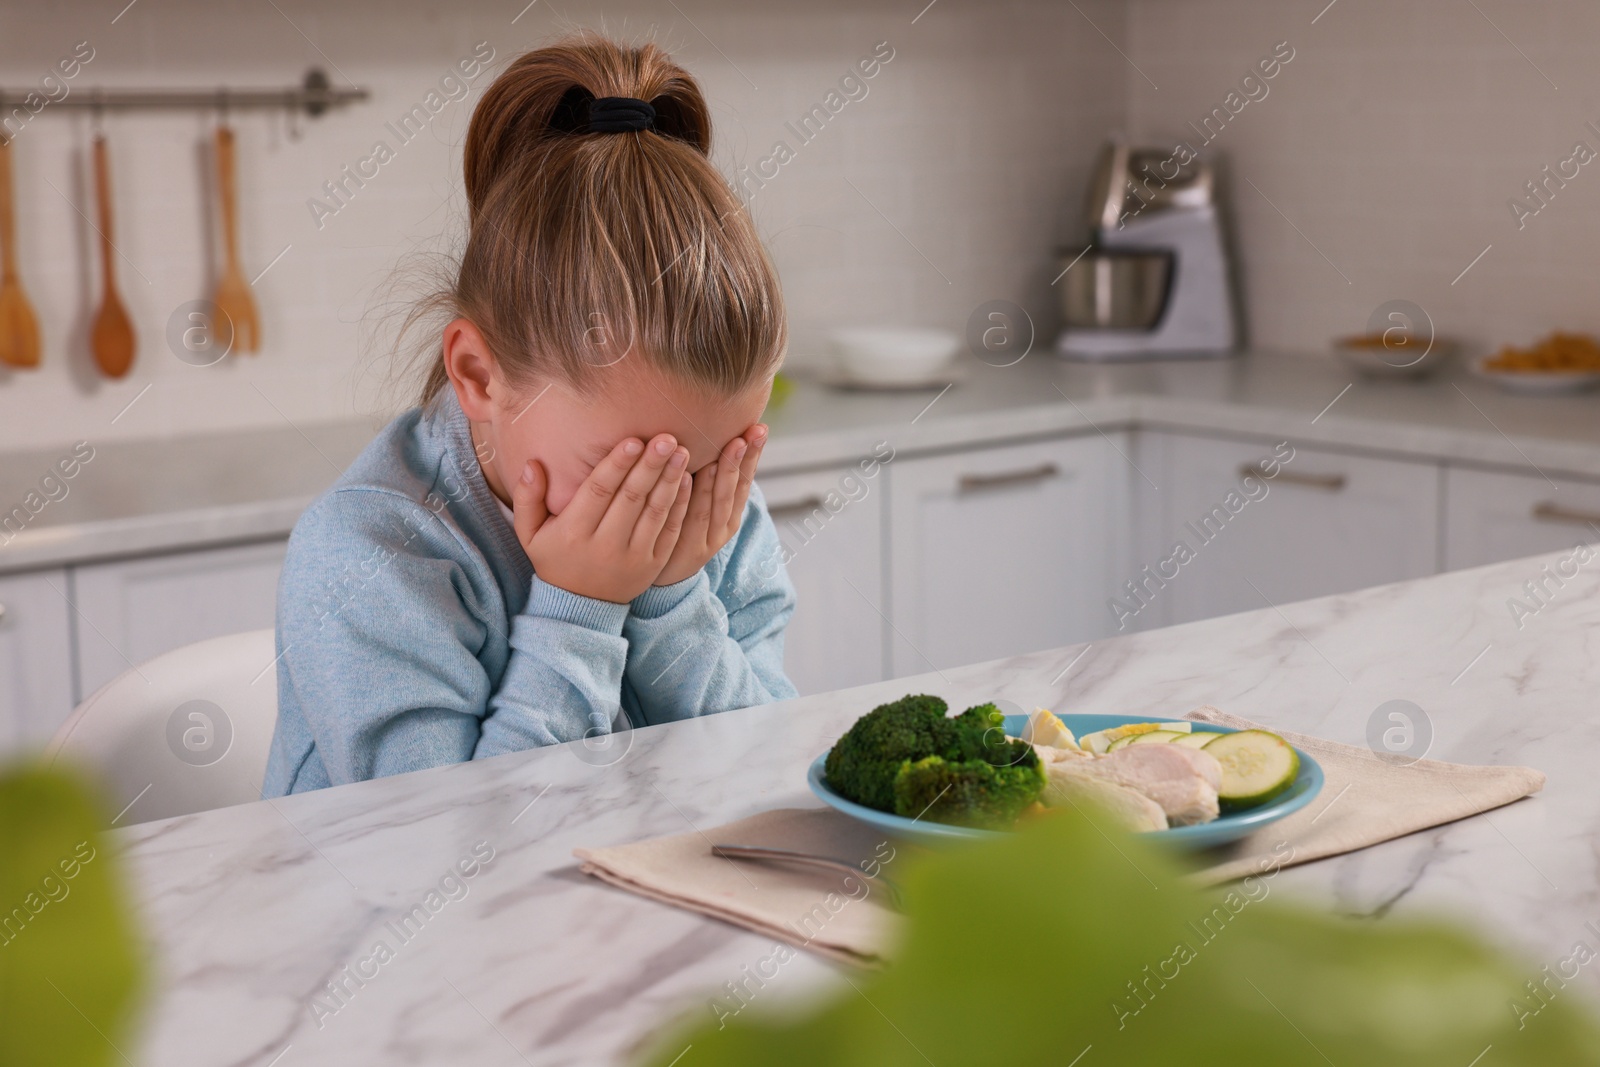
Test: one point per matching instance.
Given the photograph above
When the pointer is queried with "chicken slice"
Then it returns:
(1204, 763)
(1070, 785)
(1183, 781)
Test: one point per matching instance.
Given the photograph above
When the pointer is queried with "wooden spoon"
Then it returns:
(19, 329)
(233, 297)
(112, 339)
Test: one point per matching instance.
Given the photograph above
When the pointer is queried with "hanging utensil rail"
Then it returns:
(314, 96)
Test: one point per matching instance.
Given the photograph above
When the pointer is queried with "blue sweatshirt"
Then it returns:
(412, 631)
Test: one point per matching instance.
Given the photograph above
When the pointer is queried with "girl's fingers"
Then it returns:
(757, 439)
(527, 502)
(662, 499)
(727, 485)
(667, 539)
(629, 500)
(699, 514)
(594, 496)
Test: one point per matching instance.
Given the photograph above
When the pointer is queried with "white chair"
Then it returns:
(185, 732)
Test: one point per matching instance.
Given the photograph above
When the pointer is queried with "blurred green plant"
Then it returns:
(782, 386)
(1062, 945)
(69, 963)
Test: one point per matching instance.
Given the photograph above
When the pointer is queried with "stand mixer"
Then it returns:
(1155, 282)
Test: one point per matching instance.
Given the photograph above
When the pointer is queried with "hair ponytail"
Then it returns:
(588, 248)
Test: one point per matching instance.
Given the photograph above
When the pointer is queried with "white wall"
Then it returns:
(1393, 141)
(974, 141)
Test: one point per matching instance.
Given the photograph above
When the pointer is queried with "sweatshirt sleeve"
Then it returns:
(564, 678)
(714, 641)
(381, 628)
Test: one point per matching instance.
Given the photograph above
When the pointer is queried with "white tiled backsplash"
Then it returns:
(1385, 153)
(973, 142)
(1378, 166)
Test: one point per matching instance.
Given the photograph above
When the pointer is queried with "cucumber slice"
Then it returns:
(1256, 766)
(1158, 737)
(1122, 742)
(1096, 742)
(1197, 739)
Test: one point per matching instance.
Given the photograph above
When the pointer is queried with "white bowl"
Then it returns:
(1394, 363)
(892, 355)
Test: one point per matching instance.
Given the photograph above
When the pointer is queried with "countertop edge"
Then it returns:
(215, 526)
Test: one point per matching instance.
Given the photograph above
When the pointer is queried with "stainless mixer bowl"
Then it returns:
(1110, 289)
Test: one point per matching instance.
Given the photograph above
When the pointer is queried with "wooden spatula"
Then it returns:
(233, 297)
(112, 338)
(19, 329)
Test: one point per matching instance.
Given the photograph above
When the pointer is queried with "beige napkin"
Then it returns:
(1364, 800)
(827, 912)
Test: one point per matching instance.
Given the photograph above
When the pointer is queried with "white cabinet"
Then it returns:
(924, 562)
(1328, 522)
(35, 659)
(831, 525)
(1491, 516)
(131, 610)
(1000, 551)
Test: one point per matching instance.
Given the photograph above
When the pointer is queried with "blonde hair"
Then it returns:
(587, 248)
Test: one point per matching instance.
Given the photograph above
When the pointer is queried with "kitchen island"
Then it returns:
(254, 910)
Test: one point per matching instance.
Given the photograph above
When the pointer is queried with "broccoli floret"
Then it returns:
(982, 717)
(862, 764)
(966, 793)
(984, 736)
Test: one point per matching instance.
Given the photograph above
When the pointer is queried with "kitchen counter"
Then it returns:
(152, 496)
(254, 909)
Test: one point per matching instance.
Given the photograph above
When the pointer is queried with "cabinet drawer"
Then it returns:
(1001, 551)
(1492, 516)
(132, 610)
(1327, 522)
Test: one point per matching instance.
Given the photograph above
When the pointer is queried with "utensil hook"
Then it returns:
(97, 113)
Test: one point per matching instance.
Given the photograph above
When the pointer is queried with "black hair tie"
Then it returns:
(620, 114)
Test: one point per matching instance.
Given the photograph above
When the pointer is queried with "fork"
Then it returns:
(233, 297)
(806, 859)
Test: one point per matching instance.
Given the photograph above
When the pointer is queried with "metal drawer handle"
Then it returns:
(1331, 482)
(806, 504)
(969, 482)
(2, 613)
(1551, 512)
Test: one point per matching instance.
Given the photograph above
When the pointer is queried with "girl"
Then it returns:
(564, 538)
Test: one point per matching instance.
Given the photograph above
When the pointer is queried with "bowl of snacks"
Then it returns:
(1394, 353)
(1561, 363)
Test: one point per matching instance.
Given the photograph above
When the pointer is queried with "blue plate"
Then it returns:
(1228, 827)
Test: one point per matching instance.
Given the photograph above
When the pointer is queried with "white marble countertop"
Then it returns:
(152, 496)
(253, 909)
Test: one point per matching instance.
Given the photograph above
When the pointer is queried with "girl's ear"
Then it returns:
(471, 369)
